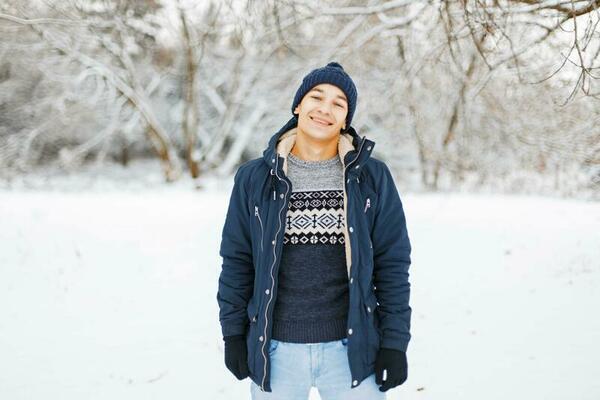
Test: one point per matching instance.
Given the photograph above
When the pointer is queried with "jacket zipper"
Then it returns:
(261, 226)
(271, 273)
(356, 158)
(368, 205)
(275, 253)
(345, 193)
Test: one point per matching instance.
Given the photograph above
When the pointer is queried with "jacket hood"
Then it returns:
(349, 145)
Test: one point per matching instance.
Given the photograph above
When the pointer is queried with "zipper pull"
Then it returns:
(274, 192)
(256, 211)
(368, 204)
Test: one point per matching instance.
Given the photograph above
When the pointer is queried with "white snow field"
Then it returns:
(111, 294)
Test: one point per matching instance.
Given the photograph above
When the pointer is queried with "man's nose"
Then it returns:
(325, 108)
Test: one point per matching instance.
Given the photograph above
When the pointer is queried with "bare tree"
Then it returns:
(465, 93)
(103, 47)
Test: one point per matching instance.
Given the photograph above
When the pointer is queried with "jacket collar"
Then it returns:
(349, 145)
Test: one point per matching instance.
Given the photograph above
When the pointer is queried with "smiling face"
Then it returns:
(322, 112)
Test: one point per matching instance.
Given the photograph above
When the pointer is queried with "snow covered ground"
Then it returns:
(111, 294)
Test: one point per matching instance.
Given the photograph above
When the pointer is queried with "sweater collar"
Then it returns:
(350, 145)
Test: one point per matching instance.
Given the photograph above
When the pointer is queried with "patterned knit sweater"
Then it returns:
(312, 299)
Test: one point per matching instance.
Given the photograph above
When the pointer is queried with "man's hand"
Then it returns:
(394, 362)
(236, 355)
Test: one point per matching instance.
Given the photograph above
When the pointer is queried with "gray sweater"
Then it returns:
(312, 299)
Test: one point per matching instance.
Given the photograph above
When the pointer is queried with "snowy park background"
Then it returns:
(121, 124)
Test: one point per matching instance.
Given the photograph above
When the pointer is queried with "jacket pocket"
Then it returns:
(252, 311)
(373, 332)
(370, 199)
(367, 204)
(368, 207)
(260, 223)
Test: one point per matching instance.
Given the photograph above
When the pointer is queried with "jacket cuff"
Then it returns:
(394, 344)
(234, 338)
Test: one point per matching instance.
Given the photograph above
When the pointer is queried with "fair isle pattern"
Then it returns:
(315, 217)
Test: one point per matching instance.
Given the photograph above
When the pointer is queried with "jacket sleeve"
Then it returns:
(391, 256)
(236, 280)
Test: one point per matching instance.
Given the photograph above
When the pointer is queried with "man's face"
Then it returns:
(322, 112)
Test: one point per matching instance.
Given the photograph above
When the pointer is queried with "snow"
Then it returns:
(110, 293)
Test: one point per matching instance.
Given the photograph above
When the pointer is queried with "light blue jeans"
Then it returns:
(296, 367)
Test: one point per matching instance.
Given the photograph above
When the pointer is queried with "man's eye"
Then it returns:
(318, 98)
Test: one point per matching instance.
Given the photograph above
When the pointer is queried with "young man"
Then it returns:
(314, 286)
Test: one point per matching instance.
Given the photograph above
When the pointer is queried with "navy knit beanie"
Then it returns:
(333, 73)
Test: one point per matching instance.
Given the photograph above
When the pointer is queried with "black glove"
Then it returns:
(394, 361)
(236, 356)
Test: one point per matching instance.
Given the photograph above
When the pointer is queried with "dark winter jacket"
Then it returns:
(377, 254)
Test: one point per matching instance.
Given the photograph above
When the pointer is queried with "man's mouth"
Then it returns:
(321, 122)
